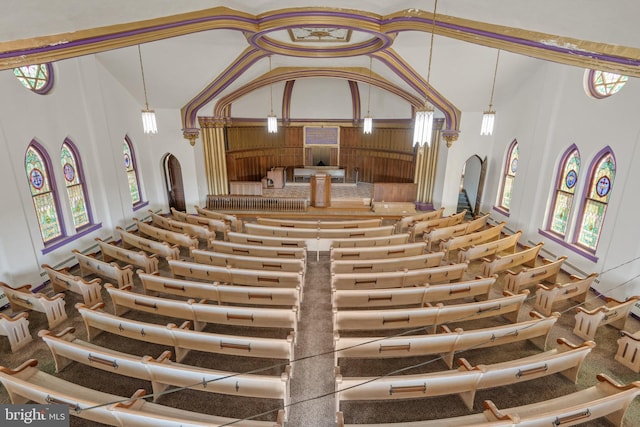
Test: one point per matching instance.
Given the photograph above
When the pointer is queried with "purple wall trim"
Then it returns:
(355, 101)
(559, 178)
(67, 240)
(572, 248)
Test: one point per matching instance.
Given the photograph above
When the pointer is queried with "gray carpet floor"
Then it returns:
(312, 386)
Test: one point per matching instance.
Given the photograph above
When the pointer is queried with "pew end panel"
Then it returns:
(576, 290)
(23, 298)
(16, 329)
(628, 353)
(614, 313)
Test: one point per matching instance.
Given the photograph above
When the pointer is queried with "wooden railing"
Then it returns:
(248, 203)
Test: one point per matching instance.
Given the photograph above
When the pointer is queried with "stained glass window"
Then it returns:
(595, 204)
(37, 168)
(601, 84)
(509, 175)
(132, 174)
(565, 190)
(37, 78)
(73, 178)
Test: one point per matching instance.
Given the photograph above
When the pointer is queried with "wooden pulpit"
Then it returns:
(320, 190)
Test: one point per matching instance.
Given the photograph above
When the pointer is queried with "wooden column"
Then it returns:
(320, 190)
(213, 146)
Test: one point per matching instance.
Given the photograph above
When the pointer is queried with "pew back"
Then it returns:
(89, 264)
(162, 249)
(22, 298)
(391, 264)
(110, 251)
(377, 252)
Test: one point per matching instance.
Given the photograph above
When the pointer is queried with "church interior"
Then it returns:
(373, 178)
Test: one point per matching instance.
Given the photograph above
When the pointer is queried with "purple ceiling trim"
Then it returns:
(313, 12)
(346, 49)
(519, 41)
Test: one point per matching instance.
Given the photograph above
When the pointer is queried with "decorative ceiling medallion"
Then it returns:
(319, 34)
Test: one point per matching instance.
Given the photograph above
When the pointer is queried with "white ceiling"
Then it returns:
(177, 69)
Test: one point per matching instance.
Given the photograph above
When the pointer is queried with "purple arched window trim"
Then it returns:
(558, 183)
(83, 183)
(499, 208)
(134, 165)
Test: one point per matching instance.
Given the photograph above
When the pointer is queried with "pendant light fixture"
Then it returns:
(368, 120)
(424, 117)
(149, 124)
(272, 120)
(489, 116)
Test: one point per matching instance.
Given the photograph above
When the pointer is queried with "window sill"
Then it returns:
(140, 206)
(582, 252)
(59, 243)
(501, 211)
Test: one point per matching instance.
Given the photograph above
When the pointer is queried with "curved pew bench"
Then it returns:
(526, 277)
(367, 242)
(222, 294)
(61, 280)
(236, 276)
(477, 237)
(415, 262)
(182, 339)
(28, 384)
(377, 252)
(413, 296)
(418, 228)
(399, 279)
(89, 264)
(403, 224)
(163, 249)
(213, 225)
(576, 289)
(258, 251)
(160, 234)
(629, 350)
(293, 223)
(439, 234)
(251, 239)
(16, 328)
(317, 233)
(466, 380)
(248, 262)
(201, 313)
(607, 398)
(447, 343)
(613, 313)
(527, 256)
(232, 220)
(111, 251)
(200, 231)
(411, 318)
(482, 250)
(162, 372)
(22, 298)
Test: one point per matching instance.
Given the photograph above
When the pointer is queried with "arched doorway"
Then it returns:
(472, 184)
(173, 182)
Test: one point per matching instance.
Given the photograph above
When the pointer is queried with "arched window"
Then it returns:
(508, 176)
(37, 78)
(42, 185)
(600, 84)
(132, 171)
(594, 206)
(74, 180)
(566, 181)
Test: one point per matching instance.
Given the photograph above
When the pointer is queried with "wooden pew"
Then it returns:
(162, 372)
(214, 225)
(62, 280)
(259, 251)
(467, 379)
(391, 264)
(22, 298)
(111, 251)
(418, 228)
(317, 233)
(162, 235)
(201, 232)
(413, 296)
(607, 399)
(576, 289)
(613, 313)
(27, 383)
(377, 252)
(482, 250)
(362, 242)
(222, 294)
(250, 239)
(201, 313)
(629, 350)
(466, 240)
(182, 339)
(399, 279)
(527, 256)
(444, 233)
(411, 318)
(16, 328)
(248, 262)
(232, 220)
(526, 277)
(403, 224)
(89, 264)
(237, 276)
(447, 343)
(320, 223)
(163, 249)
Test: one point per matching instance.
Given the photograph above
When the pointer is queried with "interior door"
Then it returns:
(173, 180)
